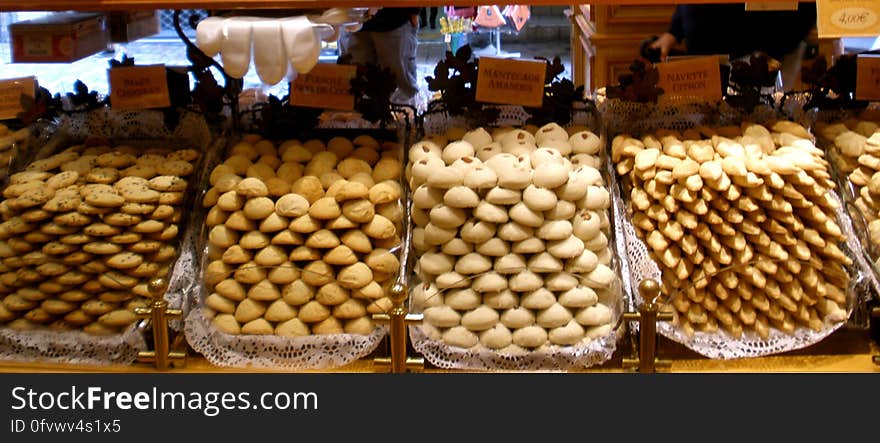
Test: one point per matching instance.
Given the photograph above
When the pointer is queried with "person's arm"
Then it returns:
(671, 38)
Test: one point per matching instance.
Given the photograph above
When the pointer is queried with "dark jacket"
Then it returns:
(730, 29)
(389, 19)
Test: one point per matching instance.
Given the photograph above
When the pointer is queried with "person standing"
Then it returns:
(424, 19)
(710, 29)
(390, 39)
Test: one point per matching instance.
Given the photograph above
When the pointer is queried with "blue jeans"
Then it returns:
(395, 50)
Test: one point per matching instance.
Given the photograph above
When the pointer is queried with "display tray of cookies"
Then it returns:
(301, 242)
(852, 140)
(16, 146)
(86, 226)
(514, 235)
(742, 225)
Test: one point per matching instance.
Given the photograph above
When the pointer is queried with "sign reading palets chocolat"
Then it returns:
(868, 77)
(511, 82)
(692, 77)
(11, 91)
(139, 87)
(326, 86)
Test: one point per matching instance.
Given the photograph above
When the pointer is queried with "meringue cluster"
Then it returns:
(512, 233)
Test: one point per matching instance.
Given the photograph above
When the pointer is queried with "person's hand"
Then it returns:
(664, 43)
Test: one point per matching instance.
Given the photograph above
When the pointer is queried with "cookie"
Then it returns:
(168, 183)
(73, 278)
(35, 215)
(58, 248)
(142, 170)
(28, 176)
(89, 209)
(94, 267)
(168, 233)
(138, 208)
(34, 197)
(105, 199)
(102, 248)
(35, 237)
(124, 260)
(115, 296)
(187, 155)
(52, 269)
(148, 227)
(258, 208)
(143, 270)
(137, 194)
(76, 239)
(125, 238)
(117, 280)
(63, 201)
(117, 160)
(170, 198)
(103, 175)
(145, 246)
(178, 168)
(13, 191)
(72, 220)
(101, 230)
(162, 212)
(62, 179)
(163, 254)
(77, 258)
(120, 219)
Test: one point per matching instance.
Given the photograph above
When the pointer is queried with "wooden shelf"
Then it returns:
(118, 5)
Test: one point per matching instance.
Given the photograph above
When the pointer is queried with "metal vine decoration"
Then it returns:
(455, 78)
(559, 96)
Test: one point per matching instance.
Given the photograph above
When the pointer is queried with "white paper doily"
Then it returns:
(276, 352)
(71, 347)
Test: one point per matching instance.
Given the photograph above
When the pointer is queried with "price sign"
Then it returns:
(139, 87)
(11, 91)
(511, 82)
(695, 77)
(326, 86)
(868, 77)
(848, 18)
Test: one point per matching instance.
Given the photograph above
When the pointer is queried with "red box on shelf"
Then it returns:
(59, 37)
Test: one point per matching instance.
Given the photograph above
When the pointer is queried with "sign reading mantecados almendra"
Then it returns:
(511, 82)
(691, 77)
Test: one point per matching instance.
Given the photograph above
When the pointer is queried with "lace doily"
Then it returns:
(717, 345)
(276, 352)
(71, 347)
(549, 357)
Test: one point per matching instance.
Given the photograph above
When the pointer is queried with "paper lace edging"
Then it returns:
(551, 358)
(71, 347)
(276, 352)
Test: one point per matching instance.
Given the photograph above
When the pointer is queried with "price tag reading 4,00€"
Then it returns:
(848, 18)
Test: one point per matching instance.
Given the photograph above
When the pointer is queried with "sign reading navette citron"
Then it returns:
(848, 18)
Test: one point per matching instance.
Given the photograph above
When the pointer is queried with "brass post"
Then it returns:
(398, 319)
(159, 314)
(648, 316)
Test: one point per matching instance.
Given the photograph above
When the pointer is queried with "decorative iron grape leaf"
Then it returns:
(126, 61)
(455, 78)
(752, 81)
(41, 106)
(277, 120)
(638, 85)
(372, 88)
(83, 99)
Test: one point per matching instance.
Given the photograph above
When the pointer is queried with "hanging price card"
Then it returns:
(11, 91)
(868, 77)
(693, 77)
(326, 86)
(139, 87)
(848, 18)
(511, 82)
